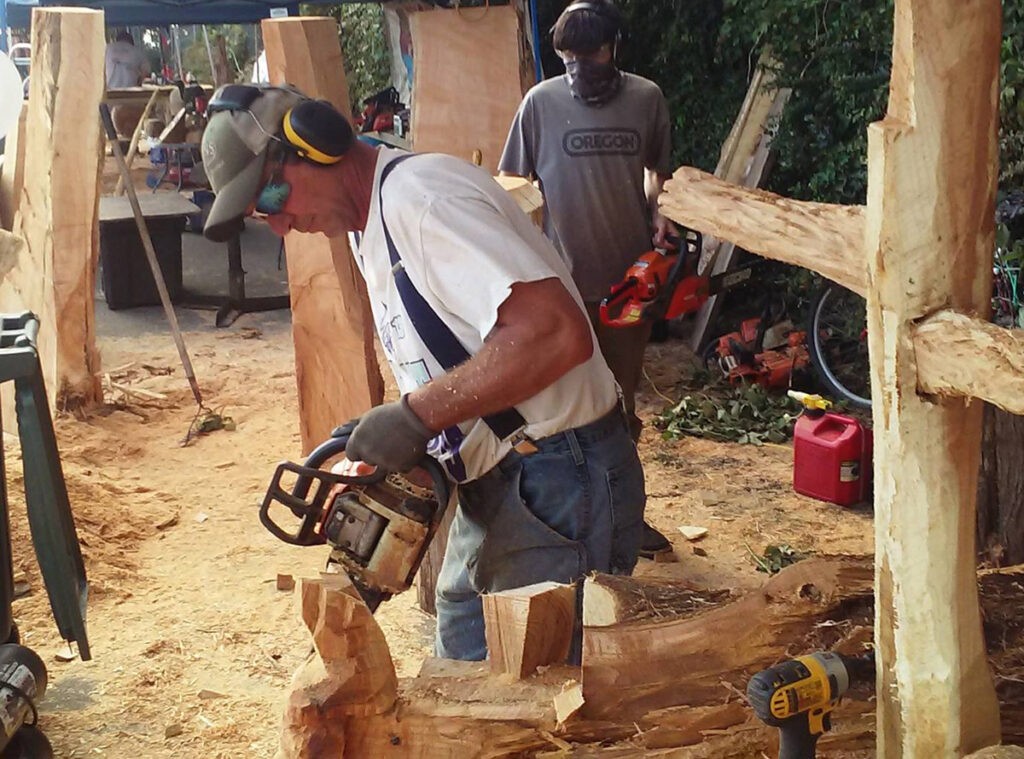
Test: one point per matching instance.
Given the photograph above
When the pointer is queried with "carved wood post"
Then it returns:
(932, 167)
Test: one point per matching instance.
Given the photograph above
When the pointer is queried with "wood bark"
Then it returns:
(930, 236)
(460, 108)
(1001, 488)
(335, 362)
(961, 356)
(57, 210)
(823, 237)
(529, 627)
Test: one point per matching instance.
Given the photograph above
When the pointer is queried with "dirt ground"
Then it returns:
(193, 644)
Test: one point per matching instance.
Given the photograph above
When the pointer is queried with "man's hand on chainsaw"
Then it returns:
(663, 229)
(390, 437)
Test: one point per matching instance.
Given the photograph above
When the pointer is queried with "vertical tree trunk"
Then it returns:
(1001, 488)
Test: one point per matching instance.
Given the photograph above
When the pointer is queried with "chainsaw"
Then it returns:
(749, 355)
(378, 525)
(664, 284)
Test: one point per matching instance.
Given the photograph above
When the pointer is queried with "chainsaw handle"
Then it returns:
(618, 293)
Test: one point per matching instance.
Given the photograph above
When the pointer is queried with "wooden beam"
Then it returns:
(12, 178)
(57, 214)
(634, 666)
(930, 236)
(459, 108)
(529, 627)
(960, 356)
(823, 237)
(335, 360)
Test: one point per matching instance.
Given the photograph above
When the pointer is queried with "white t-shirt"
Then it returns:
(464, 242)
(126, 65)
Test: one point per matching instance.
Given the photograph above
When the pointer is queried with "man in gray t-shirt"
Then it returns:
(598, 142)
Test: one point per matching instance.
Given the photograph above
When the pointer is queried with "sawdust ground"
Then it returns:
(184, 598)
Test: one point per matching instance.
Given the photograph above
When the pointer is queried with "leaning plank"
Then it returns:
(630, 669)
(959, 355)
(745, 159)
(826, 238)
(529, 627)
(930, 237)
(461, 108)
(335, 363)
(57, 212)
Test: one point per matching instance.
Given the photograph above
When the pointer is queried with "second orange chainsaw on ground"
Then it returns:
(665, 284)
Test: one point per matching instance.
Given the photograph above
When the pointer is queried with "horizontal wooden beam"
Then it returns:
(825, 238)
(959, 355)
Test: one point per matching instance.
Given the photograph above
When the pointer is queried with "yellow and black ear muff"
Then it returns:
(317, 132)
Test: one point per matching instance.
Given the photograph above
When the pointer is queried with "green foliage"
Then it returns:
(776, 558)
(744, 414)
(196, 60)
(364, 46)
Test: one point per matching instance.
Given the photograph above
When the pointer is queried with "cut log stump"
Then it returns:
(529, 627)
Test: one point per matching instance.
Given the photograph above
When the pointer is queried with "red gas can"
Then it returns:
(832, 457)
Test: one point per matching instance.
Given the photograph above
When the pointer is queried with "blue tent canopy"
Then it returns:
(159, 12)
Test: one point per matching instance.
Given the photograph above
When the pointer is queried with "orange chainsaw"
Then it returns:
(665, 284)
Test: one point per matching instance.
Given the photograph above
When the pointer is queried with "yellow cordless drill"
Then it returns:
(798, 695)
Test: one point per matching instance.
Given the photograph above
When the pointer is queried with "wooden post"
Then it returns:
(57, 212)
(932, 168)
(335, 361)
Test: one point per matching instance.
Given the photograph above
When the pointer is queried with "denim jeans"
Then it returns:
(573, 507)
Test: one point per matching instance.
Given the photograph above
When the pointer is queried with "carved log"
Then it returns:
(826, 238)
(930, 221)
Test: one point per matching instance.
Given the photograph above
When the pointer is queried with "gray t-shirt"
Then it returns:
(590, 163)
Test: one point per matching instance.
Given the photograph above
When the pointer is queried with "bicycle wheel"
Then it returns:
(837, 342)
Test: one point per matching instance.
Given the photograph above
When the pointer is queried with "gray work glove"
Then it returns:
(391, 437)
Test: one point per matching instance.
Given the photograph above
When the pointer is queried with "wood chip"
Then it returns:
(699, 551)
(201, 517)
(665, 557)
(22, 587)
(65, 656)
(285, 582)
(168, 522)
(692, 533)
(569, 701)
(208, 694)
(173, 730)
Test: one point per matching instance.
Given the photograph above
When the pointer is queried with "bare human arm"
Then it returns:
(662, 226)
(540, 335)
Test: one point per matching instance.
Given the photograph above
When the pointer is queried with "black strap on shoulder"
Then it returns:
(434, 333)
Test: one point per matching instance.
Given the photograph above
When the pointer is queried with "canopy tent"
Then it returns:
(18, 13)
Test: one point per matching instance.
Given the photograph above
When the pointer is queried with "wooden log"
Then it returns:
(58, 207)
(959, 355)
(998, 752)
(335, 362)
(12, 178)
(350, 675)
(529, 627)
(823, 237)
(930, 237)
(609, 599)
(461, 108)
(631, 669)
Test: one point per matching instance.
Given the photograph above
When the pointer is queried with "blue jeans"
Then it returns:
(573, 507)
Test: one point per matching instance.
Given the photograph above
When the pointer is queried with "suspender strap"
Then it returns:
(435, 334)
